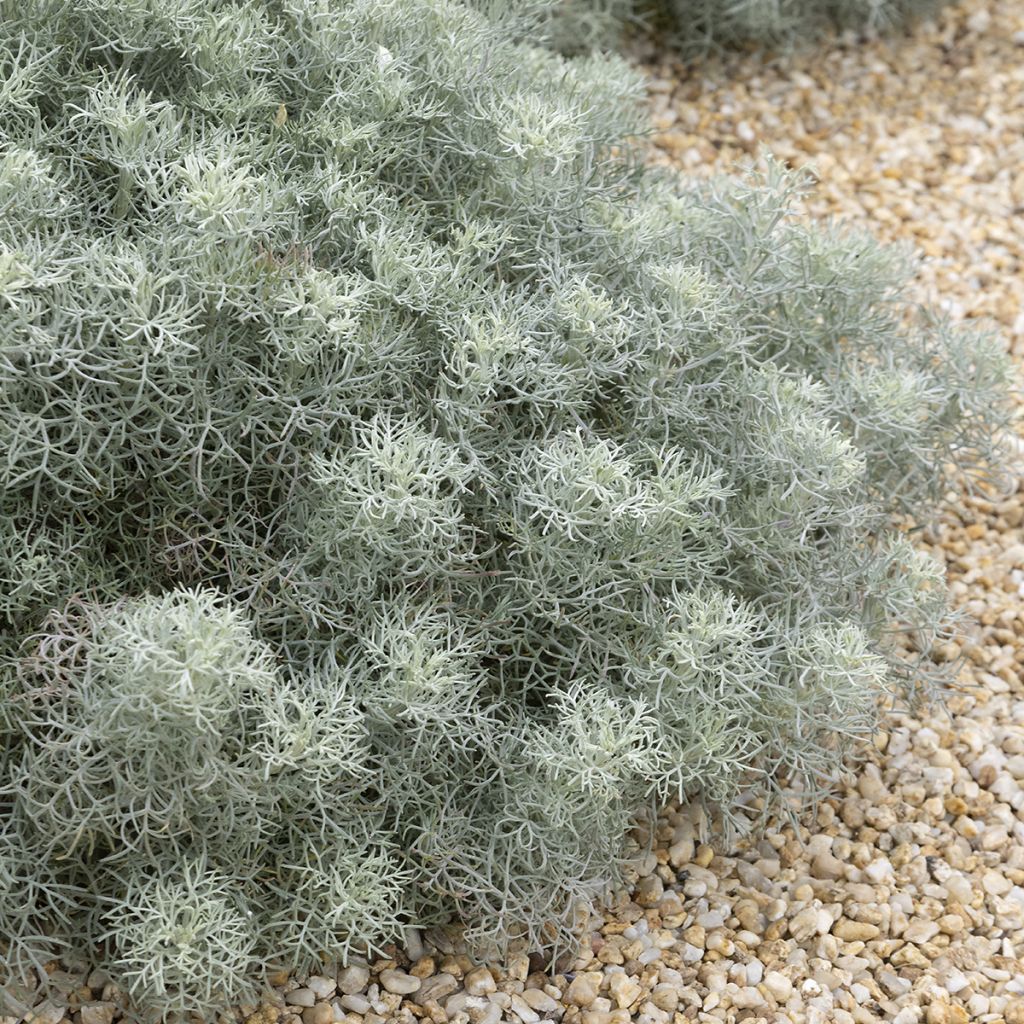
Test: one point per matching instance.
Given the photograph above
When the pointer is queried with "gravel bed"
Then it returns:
(902, 900)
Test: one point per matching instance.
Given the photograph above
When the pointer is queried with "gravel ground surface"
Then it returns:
(903, 900)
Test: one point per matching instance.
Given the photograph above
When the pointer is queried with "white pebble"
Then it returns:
(353, 979)
(779, 985)
(355, 1003)
(399, 982)
(323, 988)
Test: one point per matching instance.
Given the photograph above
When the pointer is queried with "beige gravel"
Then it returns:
(921, 139)
(903, 900)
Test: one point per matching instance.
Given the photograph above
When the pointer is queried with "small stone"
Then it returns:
(537, 999)
(624, 989)
(480, 982)
(98, 1013)
(908, 1015)
(665, 997)
(399, 982)
(522, 1009)
(825, 866)
(321, 1013)
(804, 924)
(691, 954)
(414, 944)
(649, 891)
(995, 884)
(979, 21)
(920, 931)
(439, 987)
(355, 1003)
(300, 997)
(322, 988)
(747, 998)
(583, 989)
(854, 931)
(680, 853)
(353, 979)
(879, 870)
(780, 987)
(423, 968)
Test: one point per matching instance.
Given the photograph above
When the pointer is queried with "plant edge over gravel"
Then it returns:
(402, 487)
(694, 28)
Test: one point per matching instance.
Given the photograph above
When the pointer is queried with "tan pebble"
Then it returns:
(704, 856)
(583, 989)
(423, 968)
(854, 931)
(451, 965)
(480, 982)
(665, 997)
(649, 891)
(540, 1001)
(624, 989)
(938, 1013)
(321, 1013)
(950, 924)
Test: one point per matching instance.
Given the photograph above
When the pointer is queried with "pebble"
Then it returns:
(540, 1001)
(97, 1013)
(583, 989)
(355, 1003)
(321, 987)
(778, 985)
(522, 1009)
(854, 931)
(920, 931)
(353, 979)
(321, 1013)
(399, 982)
(624, 989)
(479, 982)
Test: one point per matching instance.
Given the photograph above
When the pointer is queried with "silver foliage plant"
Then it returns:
(401, 487)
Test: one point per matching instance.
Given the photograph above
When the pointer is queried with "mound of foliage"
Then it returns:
(697, 26)
(401, 488)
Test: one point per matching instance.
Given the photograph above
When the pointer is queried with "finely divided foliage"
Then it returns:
(401, 488)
